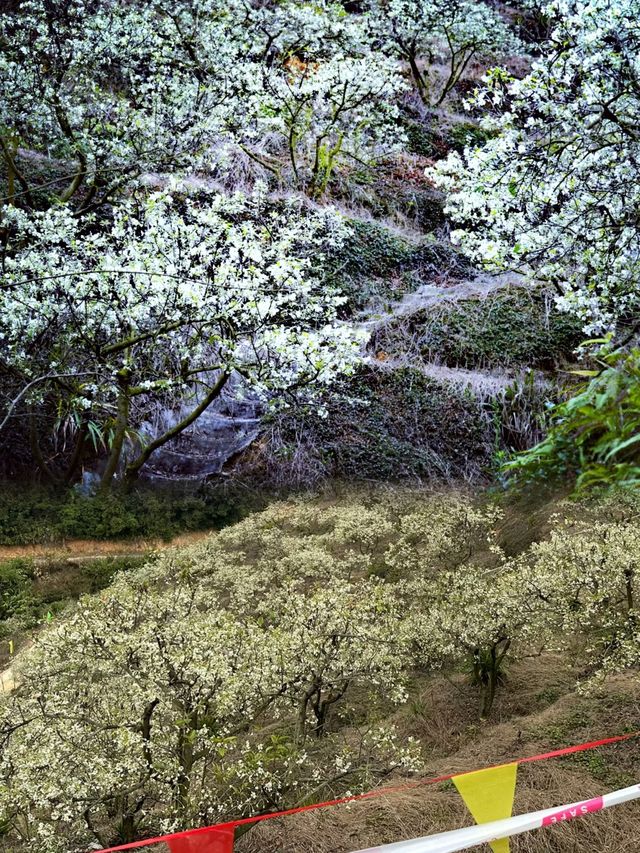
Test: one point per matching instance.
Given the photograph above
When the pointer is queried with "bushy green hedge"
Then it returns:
(29, 516)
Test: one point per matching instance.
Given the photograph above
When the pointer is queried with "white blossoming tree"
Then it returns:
(421, 31)
(114, 298)
(344, 629)
(344, 635)
(585, 580)
(555, 194)
(475, 617)
(152, 708)
(174, 299)
(188, 691)
(339, 110)
(440, 603)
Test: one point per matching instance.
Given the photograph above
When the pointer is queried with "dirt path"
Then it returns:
(95, 548)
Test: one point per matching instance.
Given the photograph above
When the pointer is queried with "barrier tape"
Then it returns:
(378, 792)
(461, 839)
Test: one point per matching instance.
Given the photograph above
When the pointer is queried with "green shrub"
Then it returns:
(26, 516)
(423, 139)
(372, 250)
(66, 580)
(467, 135)
(387, 425)
(100, 573)
(16, 591)
(377, 261)
(107, 516)
(510, 328)
(594, 436)
(29, 516)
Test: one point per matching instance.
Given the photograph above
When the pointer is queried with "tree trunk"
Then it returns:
(133, 469)
(128, 828)
(36, 453)
(185, 761)
(628, 583)
(419, 79)
(490, 671)
(122, 421)
(78, 453)
(489, 688)
(301, 721)
(320, 711)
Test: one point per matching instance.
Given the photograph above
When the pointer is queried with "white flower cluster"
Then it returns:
(120, 89)
(554, 195)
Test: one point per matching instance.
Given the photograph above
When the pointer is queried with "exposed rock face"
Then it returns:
(227, 428)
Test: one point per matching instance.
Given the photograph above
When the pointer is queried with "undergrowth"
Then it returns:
(38, 515)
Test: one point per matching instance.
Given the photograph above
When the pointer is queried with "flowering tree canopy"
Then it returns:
(108, 91)
(554, 194)
(115, 297)
(421, 31)
(177, 296)
(244, 671)
(158, 706)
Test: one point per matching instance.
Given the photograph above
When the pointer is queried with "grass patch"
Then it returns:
(509, 328)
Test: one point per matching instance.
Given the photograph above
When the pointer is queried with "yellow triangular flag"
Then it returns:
(488, 794)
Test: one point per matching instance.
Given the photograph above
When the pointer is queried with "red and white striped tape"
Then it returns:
(204, 835)
(462, 839)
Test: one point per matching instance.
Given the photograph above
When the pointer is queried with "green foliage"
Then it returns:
(27, 594)
(372, 250)
(29, 516)
(68, 580)
(424, 139)
(467, 135)
(593, 437)
(16, 592)
(377, 261)
(513, 328)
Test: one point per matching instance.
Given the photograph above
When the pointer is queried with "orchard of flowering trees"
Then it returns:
(253, 669)
(168, 171)
(116, 298)
(180, 187)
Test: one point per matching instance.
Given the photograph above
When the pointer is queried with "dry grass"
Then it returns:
(527, 721)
